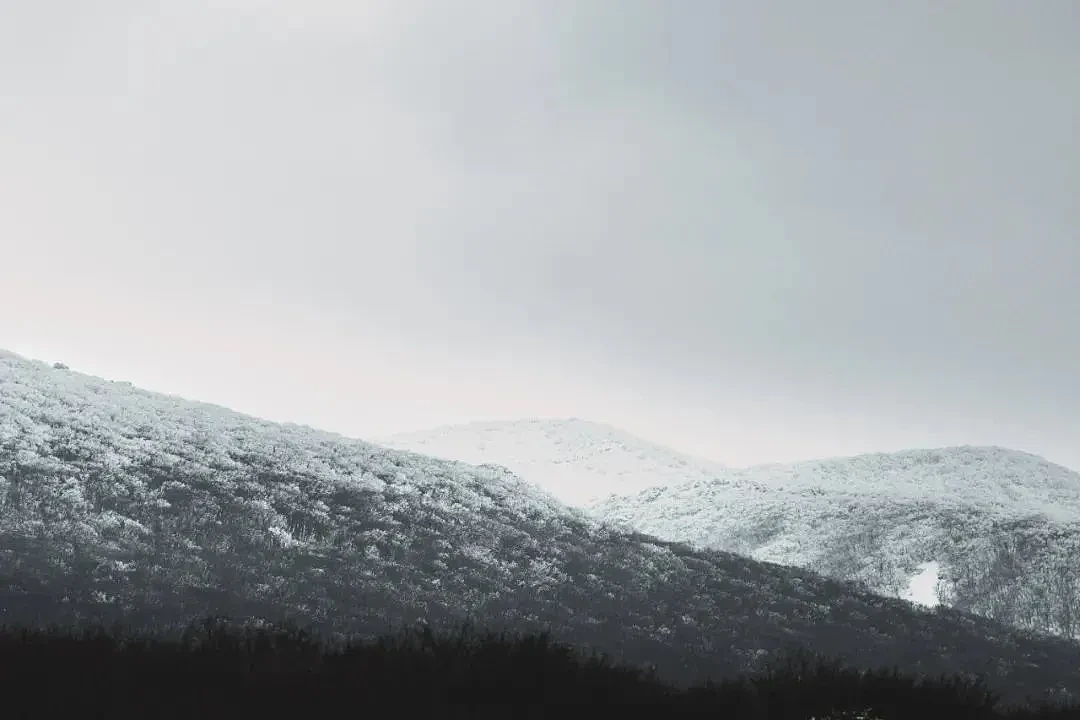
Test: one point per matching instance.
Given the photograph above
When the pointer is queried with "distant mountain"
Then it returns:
(122, 504)
(577, 461)
(985, 529)
(993, 479)
(988, 530)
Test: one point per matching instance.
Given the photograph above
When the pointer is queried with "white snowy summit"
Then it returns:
(985, 529)
(577, 461)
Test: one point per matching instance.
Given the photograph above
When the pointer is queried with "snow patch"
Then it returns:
(922, 587)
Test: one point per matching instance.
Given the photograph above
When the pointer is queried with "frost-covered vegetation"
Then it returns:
(118, 504)
(999, 529)
(577, 461)
(1003, 527)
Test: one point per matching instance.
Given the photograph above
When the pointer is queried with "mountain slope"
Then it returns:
(120, 503)
(578, 461)
(984, 529)
(993, 479)
(1001, 528)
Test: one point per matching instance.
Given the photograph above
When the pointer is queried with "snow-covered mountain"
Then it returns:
(988, 530)
(993, 479)
(577, 461)
(122, 504)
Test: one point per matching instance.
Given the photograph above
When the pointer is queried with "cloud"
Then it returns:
(785, 231)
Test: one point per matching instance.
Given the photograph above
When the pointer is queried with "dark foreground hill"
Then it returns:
(217, 671)
(120, 504)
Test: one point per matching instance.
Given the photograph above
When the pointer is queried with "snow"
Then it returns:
(993, 531)
(922, 588)
(582, 462)
(577, 461)
(905, 524)
(990, 478)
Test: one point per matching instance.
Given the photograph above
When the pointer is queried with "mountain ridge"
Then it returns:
(511, 444)
(880, 474)
(579, 461)
(984, 528)
(118, 504)
(995, 551)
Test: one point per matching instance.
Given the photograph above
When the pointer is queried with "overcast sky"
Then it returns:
(756, 231)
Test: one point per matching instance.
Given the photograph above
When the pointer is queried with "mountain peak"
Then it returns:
(579, 461)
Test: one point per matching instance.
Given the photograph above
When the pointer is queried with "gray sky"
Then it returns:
(752, 230)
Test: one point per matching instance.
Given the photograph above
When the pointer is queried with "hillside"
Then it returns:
(122, 504)
(985, 529)
(577, 461)
(992, 479)
(988, 530)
